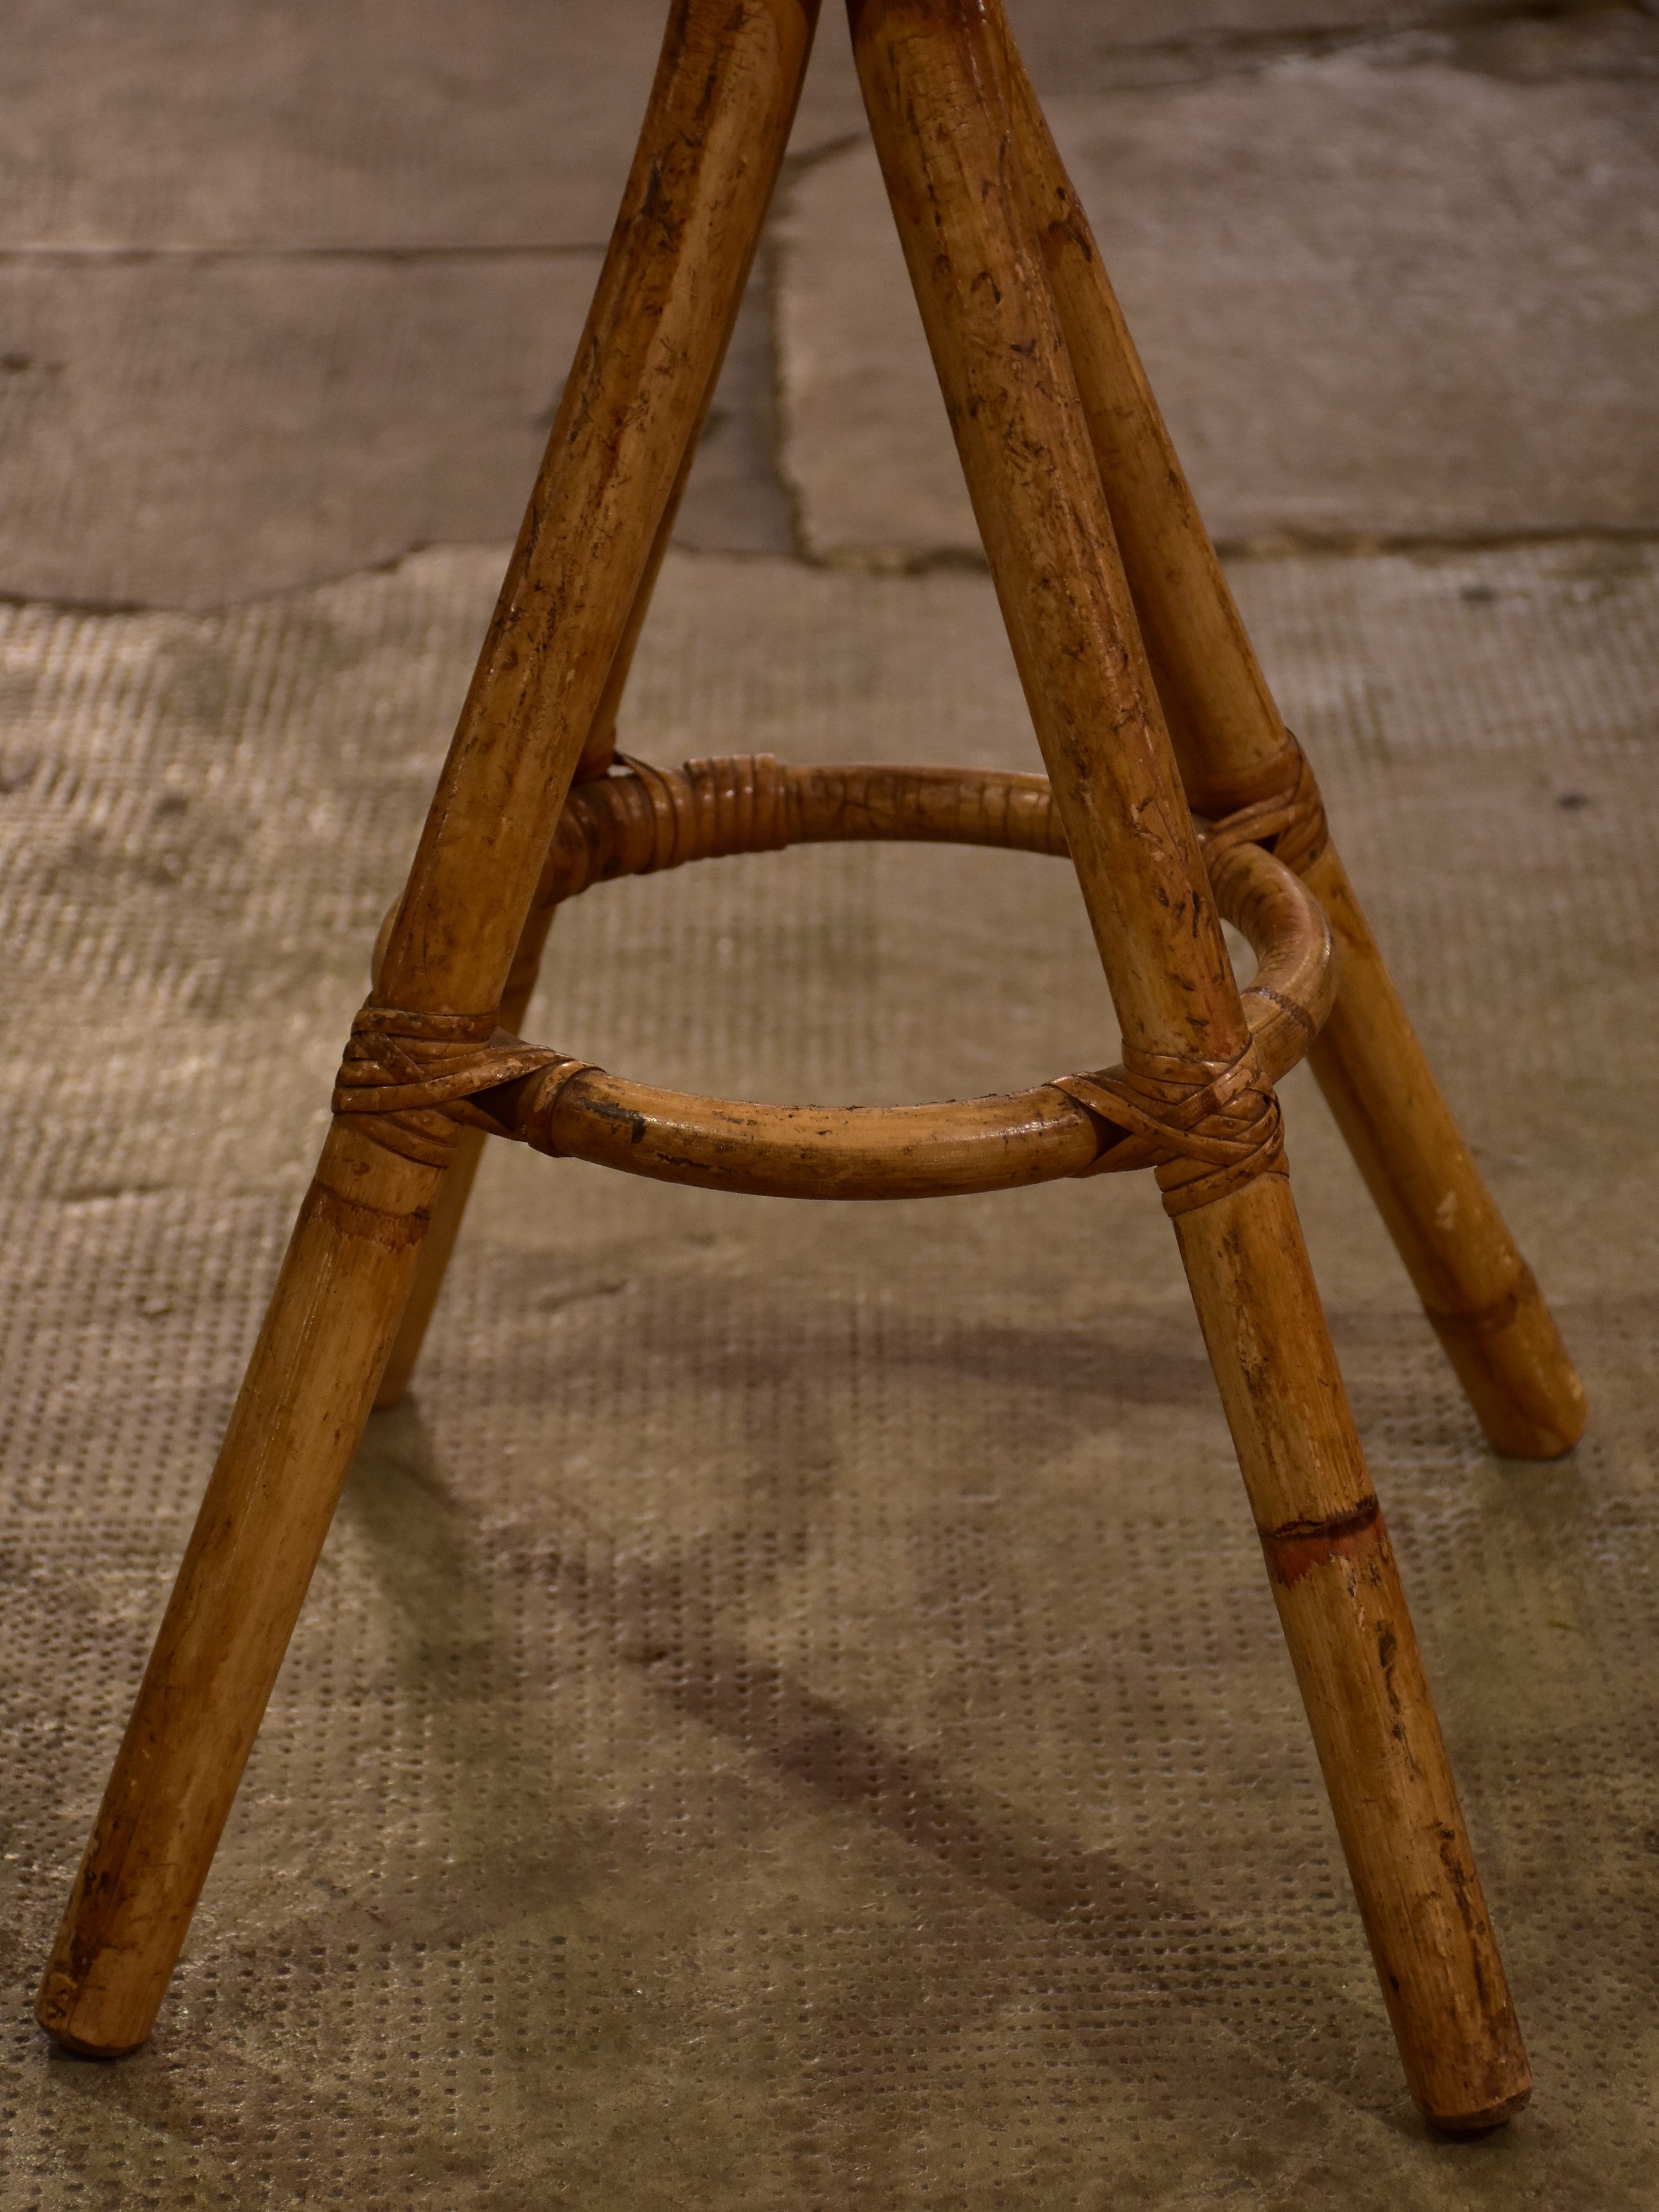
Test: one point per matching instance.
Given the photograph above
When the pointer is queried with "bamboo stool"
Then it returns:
(1140, 680)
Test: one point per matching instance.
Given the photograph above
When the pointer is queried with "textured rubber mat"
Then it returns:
(791, 1711)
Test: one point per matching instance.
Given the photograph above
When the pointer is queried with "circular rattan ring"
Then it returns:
(641, 818)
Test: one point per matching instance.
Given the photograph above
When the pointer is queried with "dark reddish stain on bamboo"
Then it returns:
(1300, 1545)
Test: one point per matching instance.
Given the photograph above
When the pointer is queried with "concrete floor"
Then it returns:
(790, 1711)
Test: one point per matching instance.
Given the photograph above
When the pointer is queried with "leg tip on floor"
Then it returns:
(1483, 2121)
(56, 2018)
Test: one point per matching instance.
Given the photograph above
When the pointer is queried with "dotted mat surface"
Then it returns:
(790, 1711)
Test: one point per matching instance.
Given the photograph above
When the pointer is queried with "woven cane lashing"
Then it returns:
(1203, 1126)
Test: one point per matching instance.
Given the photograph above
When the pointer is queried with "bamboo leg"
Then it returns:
(713, 143)
(932, 73)
(1476, 1288)
(1356, 1657)
(449, 1207)
(261, 1524)
(1474, 1285)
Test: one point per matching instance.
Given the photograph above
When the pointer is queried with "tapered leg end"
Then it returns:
(1515, 1368)
(1482, 2121)
(80, 2049)
(75, 2026)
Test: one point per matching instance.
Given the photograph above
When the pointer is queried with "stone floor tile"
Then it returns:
(197, 431)
(1379, 294)
(389, 123)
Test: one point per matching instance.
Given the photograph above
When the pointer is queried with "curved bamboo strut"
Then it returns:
(638, 819)
(939, 1149)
